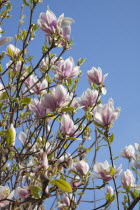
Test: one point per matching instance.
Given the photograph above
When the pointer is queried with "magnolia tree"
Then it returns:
(44, 125)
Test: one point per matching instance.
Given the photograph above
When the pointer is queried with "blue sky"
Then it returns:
(107, 34)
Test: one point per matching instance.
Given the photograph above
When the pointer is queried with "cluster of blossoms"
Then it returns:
(42, 114)
(49, 24)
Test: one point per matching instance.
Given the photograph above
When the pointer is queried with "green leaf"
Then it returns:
(67, 109)
(26, 100)
(74, 138)
(10, 52)
(26, 3)
(110, 198)
(2, 133)
(10, 137)
(35, 191)
(62, 185)
(116, 158)
(1, 68)
(75, 172)
(81, 61)
(24, 33)
(74, 87)
(3, 96)
(100, 131)
(98, 125)
(112, 171)
(82, 193)
(29, 59)
(135, 194)
(111, 138)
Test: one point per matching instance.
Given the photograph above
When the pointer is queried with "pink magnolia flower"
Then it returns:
(105, 114)
(127, 179)
(50, 25)
(128, 152)
(105, 171)
(23, 193)
(48, 148)
(13, 49)
(95, 76)
(5, 40)
(66, 201)
(67, 70)
(5, 194)
(136, 160)
(35, 85)
(56, 99)
(75, 181)
(48, 22)
(88, 99)
(67, 125)
(54, 64)
(137, 146)
(23, 138)
(65, 161)
(82, 167)
(37, 108)
(64, 26)
(110, 191)
(17, 66)
(45, 164)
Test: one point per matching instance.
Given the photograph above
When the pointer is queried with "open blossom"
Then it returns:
(95, 76)
(37, 108)
(66, 201)
(56, 99)
(13, 49)
(5, 194)
(23, 192)
(64, 24)
(128, 152)
(67, 70)
(49, 24)
(35, 85)
(105, 114)
(128, 179)
(88, 99)
(105, 171)
(67, 125)
(82, 167)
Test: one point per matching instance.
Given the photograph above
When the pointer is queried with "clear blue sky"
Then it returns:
(107, 34)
